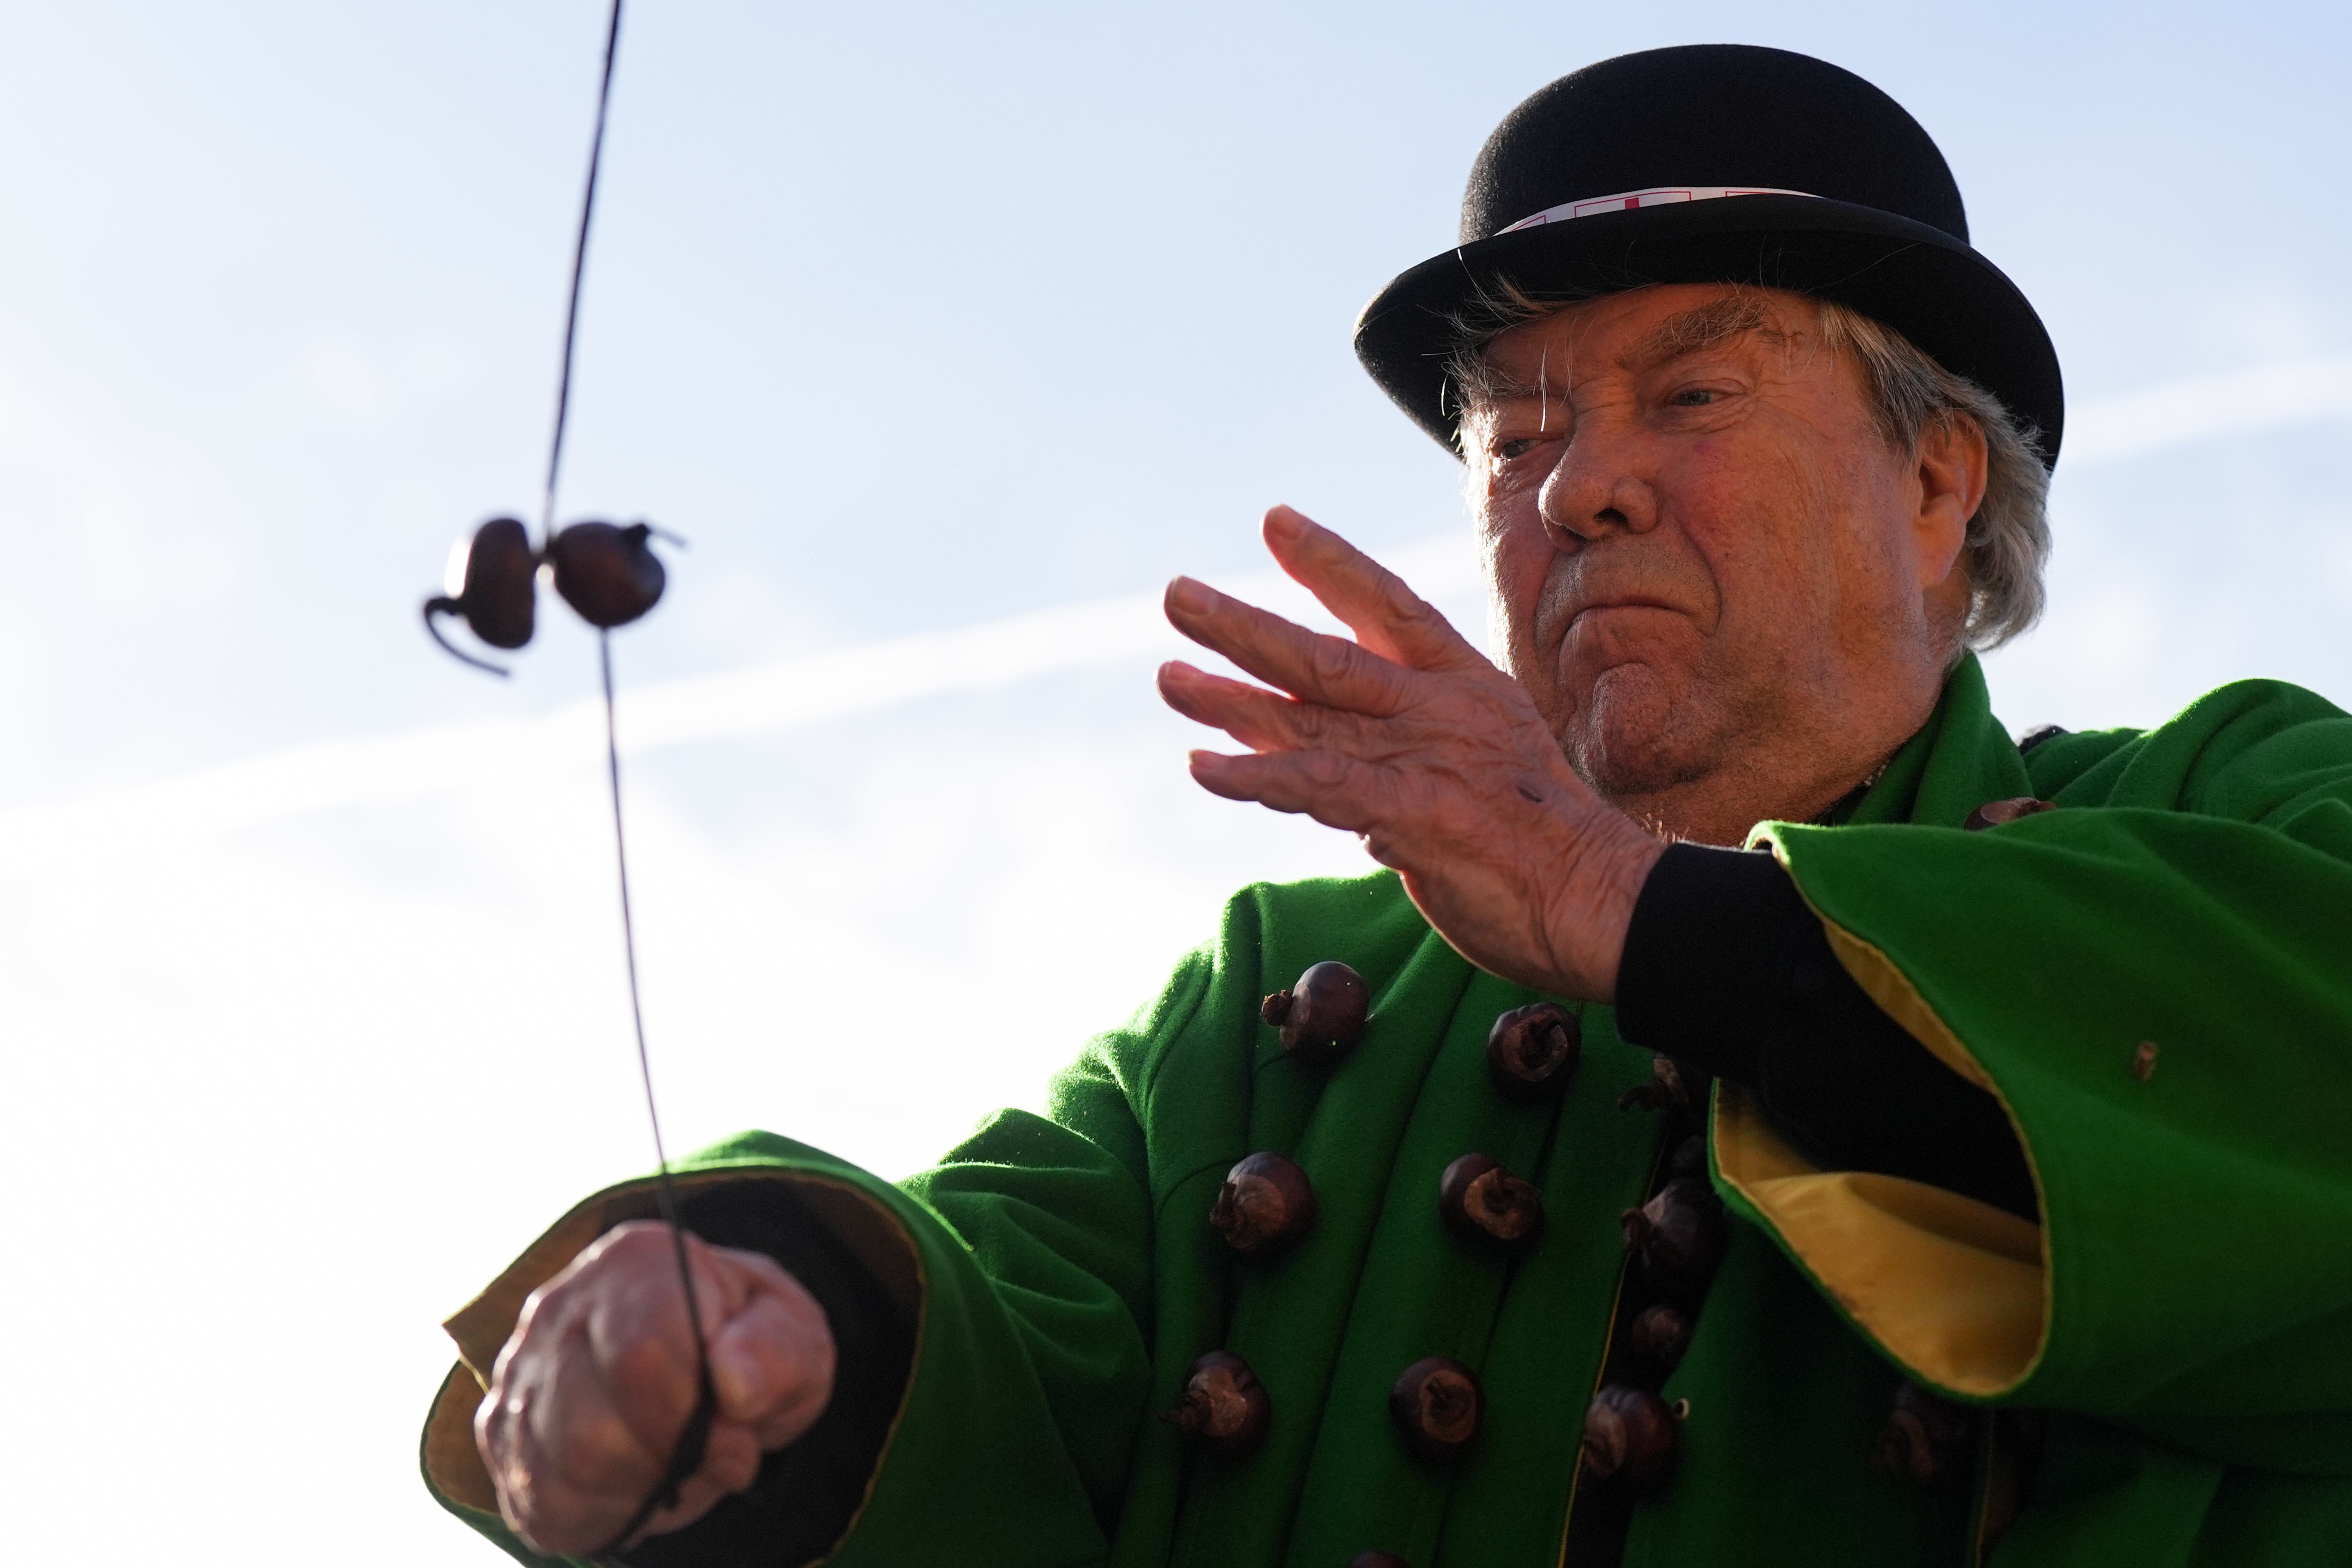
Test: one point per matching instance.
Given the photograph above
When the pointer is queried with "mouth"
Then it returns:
(1628, 602)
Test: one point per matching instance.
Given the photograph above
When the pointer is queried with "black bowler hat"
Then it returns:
(1719, 163)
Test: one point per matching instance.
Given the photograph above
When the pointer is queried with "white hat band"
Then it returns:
(1656, 197)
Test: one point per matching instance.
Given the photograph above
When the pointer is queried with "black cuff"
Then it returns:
(809, 1491)
(1724, 968)
(1711, 939)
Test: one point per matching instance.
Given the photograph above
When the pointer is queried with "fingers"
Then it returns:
(1261, 720)
(773, 1362)
(1326, 669)
(1386, 616)
(1336, 790)
(594, 1389)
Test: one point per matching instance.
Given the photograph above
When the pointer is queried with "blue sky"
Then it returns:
(945, 334)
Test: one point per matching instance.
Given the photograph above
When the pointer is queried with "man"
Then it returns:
(2019, 1223)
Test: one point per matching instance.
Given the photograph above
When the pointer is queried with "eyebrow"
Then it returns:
(1690, 332)
(1706, 326)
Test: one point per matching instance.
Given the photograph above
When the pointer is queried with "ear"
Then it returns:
(1952, 467)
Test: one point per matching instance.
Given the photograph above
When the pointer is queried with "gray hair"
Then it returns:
(2008, 540)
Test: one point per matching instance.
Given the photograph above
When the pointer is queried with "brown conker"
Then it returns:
(1671, 1086)
(496, 598)
(1224, 1410)
(1479, 1199)
(1630, 1436)
(1322, 1016)
(1437, 1405)
(610, 575)
(1678, 1237)
(1266, 1204)
(1658, 1336)
(1931, 1440)
(1998, 813)
(1532, 1051)
(1376, 1560)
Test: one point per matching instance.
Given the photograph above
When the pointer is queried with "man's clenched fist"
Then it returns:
(598, 1379)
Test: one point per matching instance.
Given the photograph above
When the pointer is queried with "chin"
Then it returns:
(1633, 733)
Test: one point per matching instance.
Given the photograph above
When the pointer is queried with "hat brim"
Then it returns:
(1955, 305)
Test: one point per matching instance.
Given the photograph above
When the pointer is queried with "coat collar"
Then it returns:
(1961, 758)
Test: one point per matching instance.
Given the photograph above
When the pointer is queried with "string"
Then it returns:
(687, 1457)
(579, 262)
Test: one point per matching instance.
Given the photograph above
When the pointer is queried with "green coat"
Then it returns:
(2184, 1310)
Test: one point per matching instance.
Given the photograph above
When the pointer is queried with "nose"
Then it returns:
(1592, 492)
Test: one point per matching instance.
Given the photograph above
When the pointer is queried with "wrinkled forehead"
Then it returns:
(1637, 331)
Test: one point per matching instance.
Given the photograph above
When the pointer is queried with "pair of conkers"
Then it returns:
(607, 573)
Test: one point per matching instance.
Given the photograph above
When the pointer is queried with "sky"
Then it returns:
(944, 335)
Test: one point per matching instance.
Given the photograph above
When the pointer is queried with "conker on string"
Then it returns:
(1630, 1436)
(1931, 1440)
(493, 593)
(1479, 1199)
(1532, 1051)
(1437, 1405)
(1266, 1204)
(1376, 1560)
(2000, 813)
(1678, 1237)
(609, 574)
(1671, 1086)
(1322, 1016)
(1658, 1336)
(1224, 1410)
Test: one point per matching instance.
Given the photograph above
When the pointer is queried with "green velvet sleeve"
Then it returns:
(1024, 1260)
(2156, 980)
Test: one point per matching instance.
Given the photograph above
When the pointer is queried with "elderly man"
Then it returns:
(1794, 1124)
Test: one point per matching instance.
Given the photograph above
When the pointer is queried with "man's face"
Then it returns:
(1705, 558)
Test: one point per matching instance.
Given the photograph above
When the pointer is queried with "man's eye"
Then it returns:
(1693, 397)
(1518, 447)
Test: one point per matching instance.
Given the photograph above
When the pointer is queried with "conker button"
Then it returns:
(1658, 1337)
(1480, 1200)
(1226, 1410)
(1678, 1237)
(1995, 813)
(1266, 1204)
(1931, 1440)
(1322, 1016)
(1630, 1436)
(1532, 1051)
(1671, 1086)
(1437, 1404)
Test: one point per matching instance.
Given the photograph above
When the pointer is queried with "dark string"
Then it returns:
(687, 1457)
(579, 261)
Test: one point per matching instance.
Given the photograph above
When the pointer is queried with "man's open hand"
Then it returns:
(595, 1384)
(1410, 737)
